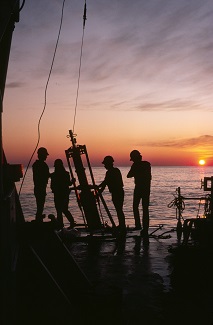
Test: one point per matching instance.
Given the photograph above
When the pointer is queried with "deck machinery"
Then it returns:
(200, 227)
(88, 196)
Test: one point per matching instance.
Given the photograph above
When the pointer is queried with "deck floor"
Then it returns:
(72, 277)
(132, 282)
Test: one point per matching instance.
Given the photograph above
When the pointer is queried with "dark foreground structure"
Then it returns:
(108, 280)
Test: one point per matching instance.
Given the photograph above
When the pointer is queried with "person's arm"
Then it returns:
(130, 173)
(51, 183)
(102, 186)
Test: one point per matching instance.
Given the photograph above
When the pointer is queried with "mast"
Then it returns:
(9, 205)
(9, 15)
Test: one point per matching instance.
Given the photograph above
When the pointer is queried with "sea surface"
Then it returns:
(165, 182)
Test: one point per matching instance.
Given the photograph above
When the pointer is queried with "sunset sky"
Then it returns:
(146, 80)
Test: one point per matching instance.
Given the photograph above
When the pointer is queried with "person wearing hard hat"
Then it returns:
(141, 171)
(40, 178)
(113, 180)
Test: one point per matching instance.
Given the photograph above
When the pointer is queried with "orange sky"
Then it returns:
(145, 81)
(159, 156)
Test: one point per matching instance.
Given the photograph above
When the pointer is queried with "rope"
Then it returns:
(47, 83)
(22, 5)
(79, 70)
(45, 96)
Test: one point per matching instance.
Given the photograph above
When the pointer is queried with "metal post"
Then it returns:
(87, 196)
(179, 224)
(211, 200)
(9, 14)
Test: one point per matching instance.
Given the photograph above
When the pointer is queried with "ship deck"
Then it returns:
(125, 281)
(136, 283)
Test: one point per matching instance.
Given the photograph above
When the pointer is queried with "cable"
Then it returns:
(79, 70)
(45, 95)
(22, 5)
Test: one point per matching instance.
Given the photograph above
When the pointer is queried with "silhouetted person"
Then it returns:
(60, 182)
(113, 179)
(141, 171)
(40, 178)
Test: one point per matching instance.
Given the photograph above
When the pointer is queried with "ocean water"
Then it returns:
(165, 181)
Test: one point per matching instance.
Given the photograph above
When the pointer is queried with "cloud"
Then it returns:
(15, 84)
(170, 105)
(169, 50)
(161, 46)
(205, 141)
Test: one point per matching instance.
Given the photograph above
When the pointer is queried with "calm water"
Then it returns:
(165, 181)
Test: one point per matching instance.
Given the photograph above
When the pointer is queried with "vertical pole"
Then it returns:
(9, 14)
(179, 224)
(211, 201)
(1, 154)
(75, 188)
(99, 193)
(87, 197)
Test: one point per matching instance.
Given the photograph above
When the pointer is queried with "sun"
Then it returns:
(202, 162)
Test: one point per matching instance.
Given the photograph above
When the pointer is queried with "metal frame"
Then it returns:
(88, 196)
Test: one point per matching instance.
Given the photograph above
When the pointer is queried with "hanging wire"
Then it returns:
(79, 70)
(45, 95)
(22, 5)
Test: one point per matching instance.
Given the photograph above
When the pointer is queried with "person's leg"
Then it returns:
(136, 202)
(67, 213)
(145, 219)
(118, 200)
(58, 208)
(121, 218)
(60, 219)
(69, 217)
(40, 200)
(145, 207)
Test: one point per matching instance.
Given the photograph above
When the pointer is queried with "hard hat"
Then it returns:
(134, 154)
(43, 151)
(108, 159)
